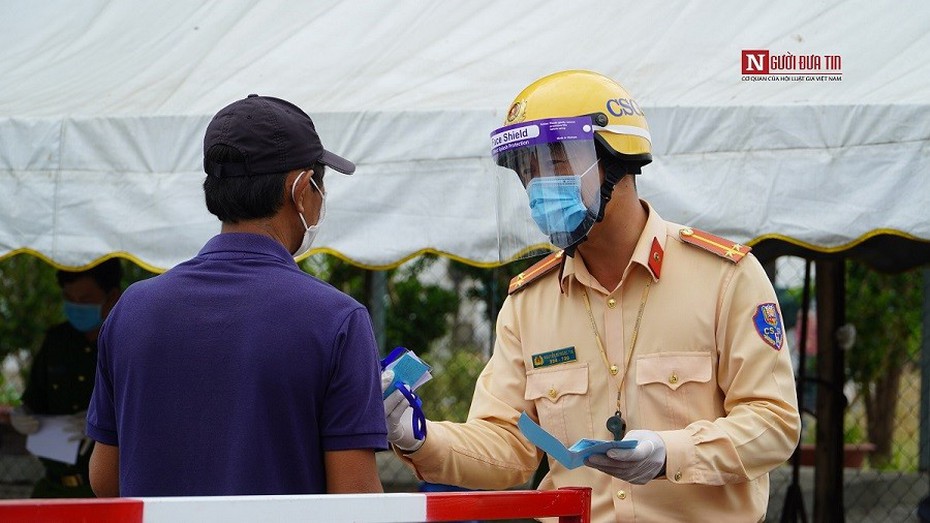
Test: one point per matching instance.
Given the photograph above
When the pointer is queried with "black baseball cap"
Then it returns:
(273, 136)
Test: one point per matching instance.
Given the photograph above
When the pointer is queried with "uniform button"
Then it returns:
(87, 350)
(673, 378)
(74, 406)
(553, 393)
(614, 370)
(612, 303)
(678, 476)
(81, 378)
(54, 386)
(621, 494)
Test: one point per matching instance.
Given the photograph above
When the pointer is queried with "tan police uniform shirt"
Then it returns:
(712, 383)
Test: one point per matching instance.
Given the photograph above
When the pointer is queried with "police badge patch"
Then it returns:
(768, 324)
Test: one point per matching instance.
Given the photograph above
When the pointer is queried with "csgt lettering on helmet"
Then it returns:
(623, 106)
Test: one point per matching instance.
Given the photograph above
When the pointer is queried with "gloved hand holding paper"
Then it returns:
(402, 372)
(408, 369)
(574, 456)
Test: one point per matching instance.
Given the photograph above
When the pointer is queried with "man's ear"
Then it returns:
(295, 196)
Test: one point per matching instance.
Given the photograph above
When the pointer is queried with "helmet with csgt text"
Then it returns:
(570, 137)
(620, 125)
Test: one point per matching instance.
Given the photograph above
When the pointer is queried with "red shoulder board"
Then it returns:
(721, 247)
(538, 270)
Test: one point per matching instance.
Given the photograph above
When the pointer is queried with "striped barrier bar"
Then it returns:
(570, 505)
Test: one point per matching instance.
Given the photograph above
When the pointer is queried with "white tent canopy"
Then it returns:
(103, 107)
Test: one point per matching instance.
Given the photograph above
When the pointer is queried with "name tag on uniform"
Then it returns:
(554, 357)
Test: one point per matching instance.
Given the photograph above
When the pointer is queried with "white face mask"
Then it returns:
(309, 230)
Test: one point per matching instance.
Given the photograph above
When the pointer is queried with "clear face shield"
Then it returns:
(556, 161)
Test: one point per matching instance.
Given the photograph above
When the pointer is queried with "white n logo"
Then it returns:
(755, 62)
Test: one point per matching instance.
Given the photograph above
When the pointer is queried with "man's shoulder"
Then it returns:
(296, 290)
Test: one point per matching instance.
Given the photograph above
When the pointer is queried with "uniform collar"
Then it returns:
(648, 253)
(650, 249)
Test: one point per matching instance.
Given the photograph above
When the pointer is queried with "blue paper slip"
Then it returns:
(573, 457)
(408, 369)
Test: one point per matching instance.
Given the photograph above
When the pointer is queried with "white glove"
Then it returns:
(638, 465)
(75, 426)
(398, 414)
(76, 429)
(24, 422)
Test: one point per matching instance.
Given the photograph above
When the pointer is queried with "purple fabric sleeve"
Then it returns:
(101, 414)
(353, 414)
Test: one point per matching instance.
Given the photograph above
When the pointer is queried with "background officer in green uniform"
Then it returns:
(61, 379)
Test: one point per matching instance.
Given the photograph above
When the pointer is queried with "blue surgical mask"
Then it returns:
(556, 204)
(84, 317)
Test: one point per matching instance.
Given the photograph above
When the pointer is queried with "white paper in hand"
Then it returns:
(51, 440)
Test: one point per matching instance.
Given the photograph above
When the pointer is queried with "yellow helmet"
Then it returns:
(621, 124)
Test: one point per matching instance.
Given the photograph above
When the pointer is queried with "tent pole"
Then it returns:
(793, 509)
(831, 403)
(377, 305)
(925, 377)
(924, 463)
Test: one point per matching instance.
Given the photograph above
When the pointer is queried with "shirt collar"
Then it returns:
(650, 249)
(246, 243)
(648, 253)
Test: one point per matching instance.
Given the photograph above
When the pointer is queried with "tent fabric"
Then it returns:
(103, 107)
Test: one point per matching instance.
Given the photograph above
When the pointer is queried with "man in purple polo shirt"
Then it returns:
(235, 372)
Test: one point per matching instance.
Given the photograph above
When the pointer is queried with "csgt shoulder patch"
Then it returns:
(767, 321)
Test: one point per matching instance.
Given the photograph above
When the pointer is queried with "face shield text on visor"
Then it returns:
(555, 160)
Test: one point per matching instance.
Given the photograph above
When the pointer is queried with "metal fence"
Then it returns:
(445, 311)
(885, 434)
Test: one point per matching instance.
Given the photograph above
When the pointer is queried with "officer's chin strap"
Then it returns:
(611, 178)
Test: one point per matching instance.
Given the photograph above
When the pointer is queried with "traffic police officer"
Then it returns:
(668, 330)
(61, 378)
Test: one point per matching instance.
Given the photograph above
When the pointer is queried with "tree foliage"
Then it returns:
(886, 310)
(30, 303)
(488, 285)
(450, 391)
(417, 313)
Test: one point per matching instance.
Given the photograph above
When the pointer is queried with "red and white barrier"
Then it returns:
(570, 505)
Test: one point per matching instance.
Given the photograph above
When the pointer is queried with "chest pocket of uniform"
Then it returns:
(674, 369)
(561, 397)
(674, 387)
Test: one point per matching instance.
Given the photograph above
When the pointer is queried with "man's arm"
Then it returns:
(349, 472)
(104, 471)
